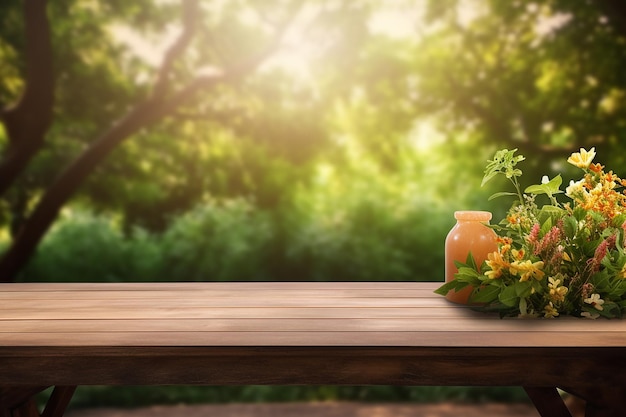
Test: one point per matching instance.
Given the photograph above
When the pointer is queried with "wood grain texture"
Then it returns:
(289, 333)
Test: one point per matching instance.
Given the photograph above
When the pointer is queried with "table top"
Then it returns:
(273, 314)
(288, 333)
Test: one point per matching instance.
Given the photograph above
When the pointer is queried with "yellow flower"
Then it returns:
(496, 262)
(518, 254)
(549, 311)
(557, 291)
(583, 158)
(527, 269)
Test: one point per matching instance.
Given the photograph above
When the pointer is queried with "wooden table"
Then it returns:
(65, 335)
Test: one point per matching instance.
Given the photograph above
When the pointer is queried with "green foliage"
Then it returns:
(235, 241)
(368, 241)
(217, 242)
(504, 162)
(214, 242)
(83, 248)
(97, 396)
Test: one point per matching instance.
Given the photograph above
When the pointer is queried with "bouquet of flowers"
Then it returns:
(558, 259)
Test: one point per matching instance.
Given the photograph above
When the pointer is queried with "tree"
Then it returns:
(27, 122)
(543, 76)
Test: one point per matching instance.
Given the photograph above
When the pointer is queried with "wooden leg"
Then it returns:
(20, 402)
(606, 406)
(547, 401)
(601, 401)
(26, 409)
(11, 397)
(58, 401)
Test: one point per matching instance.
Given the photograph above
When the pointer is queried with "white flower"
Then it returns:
(595, 301)
(576, 189)
(589, 315)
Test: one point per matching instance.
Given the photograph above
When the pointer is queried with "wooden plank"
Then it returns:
(394, 317)
(243, 312)
(312, 324)
(351, 339)
(428, 286)
(314, 365)
(96, 311)
(209, 293)
(215, 290)
(78, 305)
(160, 312)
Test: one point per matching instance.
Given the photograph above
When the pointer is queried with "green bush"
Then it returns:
(368, 230)
(217, 242)
(214, 242)
(81, 247)
(360, 239)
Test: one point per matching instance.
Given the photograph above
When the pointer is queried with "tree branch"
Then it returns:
(189, 19)
(29, 120)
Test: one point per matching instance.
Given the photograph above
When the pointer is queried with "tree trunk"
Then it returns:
(28, 121)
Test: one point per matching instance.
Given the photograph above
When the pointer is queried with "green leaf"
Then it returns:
(486, 294)
(488, 176)
(579, 213)
(509, 296)
(468, 275)
(570, 224)
(447, 287)
(523, 289)
(549, 212)
(500, 194)
(546, 226)
(601, 280)
(470, 261)
(550, 188)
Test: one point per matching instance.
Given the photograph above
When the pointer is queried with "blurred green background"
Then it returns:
(342, 157)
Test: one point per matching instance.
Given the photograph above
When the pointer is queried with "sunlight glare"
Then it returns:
(149, 48)
(397, 22)
(425, 136)
(299, 48)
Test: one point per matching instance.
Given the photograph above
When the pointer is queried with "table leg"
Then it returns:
(20, 402)
(27, 409)
(601, 401)
(547, 401)
(12, 399)
(58, 401)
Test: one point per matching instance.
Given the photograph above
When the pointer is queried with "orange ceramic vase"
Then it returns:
(470, 234)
